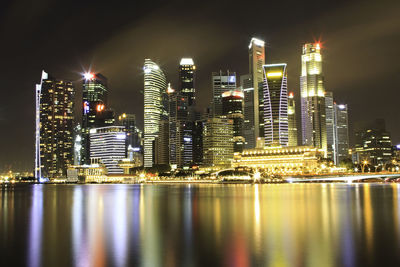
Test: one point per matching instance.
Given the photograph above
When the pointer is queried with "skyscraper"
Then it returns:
(187, 79)
(95, 112)
(276, 105)
(133, 134)
(313, 97)
(180, 139)
(256, 63)
(54, 127)
(330, 125)
(341, 127)
(221, 82)
(246, 85)
(218, 142)
(292, 121)
(162, 144)
(108, 147)
(232, 108)
(155, 85)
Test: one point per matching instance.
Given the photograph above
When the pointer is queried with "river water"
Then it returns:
(200, 225)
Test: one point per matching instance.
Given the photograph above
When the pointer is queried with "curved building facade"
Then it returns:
(276, 129)
(155, 86)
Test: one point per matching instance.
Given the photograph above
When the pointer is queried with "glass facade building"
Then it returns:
(341, 127)
(256, 63)
(246, 85)
(108, 147)
(155, 88)
(218, 142)
(187, 72)
(54, 127)
(95, 112)
(276, 128)
(330, 126)
(221, 82)
(292, 120)
(232, 108)
(312, 88)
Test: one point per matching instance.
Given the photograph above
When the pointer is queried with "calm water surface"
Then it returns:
(200, 225)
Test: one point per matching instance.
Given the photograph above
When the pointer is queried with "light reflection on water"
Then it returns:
(200, 225)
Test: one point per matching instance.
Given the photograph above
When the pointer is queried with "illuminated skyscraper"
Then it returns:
(187, 78)
(232, 108)
(313, 97)
(256, 63)
(292, 121)
(276, 105)
(246, 85)
(133, 134)
(218, 142)
(180, 138)
(341, 127)
(95, 112)
(330, 126)
(54, 127)
(221, 82)
(155, 85)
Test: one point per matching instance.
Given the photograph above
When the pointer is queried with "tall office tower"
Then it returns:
(313, 97)
(94, 112)
(276, 126)
(330, 126)
(162, 144)
(187, 80)
(246, 85)
(108, 147)
(218, 142)
(341, 127)
(133, 134)
(222, 82)
(232, 108)
(54, 127)
(292, 121)
(256, 63)
(155, 85)
(197, 134)
(184, 144)
(180, 131)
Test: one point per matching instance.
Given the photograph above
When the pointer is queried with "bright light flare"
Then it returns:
(88, 76)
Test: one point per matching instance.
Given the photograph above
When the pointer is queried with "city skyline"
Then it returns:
(337, 80)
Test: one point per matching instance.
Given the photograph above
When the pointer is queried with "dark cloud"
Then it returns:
(360, 40)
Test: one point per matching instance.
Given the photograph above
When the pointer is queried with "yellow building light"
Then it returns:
(274, 74)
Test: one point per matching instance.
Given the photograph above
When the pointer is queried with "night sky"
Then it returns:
(361, 52)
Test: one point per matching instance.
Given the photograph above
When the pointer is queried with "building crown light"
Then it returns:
(187, 61)
(274, 74)
(257, 42)
(88, 76)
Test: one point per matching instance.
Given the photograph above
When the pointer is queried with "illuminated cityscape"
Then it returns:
(200, 133)
(251, 127)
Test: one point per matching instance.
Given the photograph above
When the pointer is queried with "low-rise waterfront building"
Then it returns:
(299, 159)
